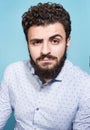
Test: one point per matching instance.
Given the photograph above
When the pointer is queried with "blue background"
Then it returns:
(13, 46)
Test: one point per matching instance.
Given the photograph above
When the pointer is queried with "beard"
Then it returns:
(48, 73)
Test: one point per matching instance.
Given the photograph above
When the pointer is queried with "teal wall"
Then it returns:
(12, 41)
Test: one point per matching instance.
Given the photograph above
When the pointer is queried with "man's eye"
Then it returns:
(36, 43)
(55, 41)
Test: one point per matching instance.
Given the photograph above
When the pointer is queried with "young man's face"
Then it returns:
(47, 45)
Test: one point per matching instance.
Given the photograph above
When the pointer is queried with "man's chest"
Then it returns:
(49, 108)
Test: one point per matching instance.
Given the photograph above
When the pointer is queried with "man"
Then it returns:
(48, 92)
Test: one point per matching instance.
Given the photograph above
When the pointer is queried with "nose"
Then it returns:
(45, 48)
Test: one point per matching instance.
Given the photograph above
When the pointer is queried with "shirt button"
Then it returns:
(37, 108)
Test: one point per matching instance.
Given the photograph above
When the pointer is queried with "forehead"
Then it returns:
(46, 31)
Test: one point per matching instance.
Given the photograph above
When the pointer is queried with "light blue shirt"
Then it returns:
(62, 104)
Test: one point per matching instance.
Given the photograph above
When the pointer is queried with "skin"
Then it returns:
(47, 40)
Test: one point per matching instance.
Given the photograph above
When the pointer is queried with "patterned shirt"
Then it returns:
(61, 104)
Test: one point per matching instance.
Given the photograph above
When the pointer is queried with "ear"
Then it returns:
(68, 42)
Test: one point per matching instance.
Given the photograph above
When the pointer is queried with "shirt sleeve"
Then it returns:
(82, 119)
(5, 106)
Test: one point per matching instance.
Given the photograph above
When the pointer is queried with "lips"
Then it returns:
(46, 61)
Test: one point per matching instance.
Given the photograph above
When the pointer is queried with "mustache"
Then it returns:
(46, 56)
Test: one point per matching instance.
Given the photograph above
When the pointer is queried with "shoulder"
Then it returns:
(75, 75)
(76, 70)
(15, 68)
(79, 76)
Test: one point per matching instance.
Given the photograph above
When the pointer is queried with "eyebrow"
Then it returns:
(56, 35)
(52, 37)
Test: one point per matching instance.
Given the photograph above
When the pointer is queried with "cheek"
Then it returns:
(34, 53)
(58, 52)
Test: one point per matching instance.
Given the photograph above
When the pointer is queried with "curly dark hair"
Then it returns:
(46, 13)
